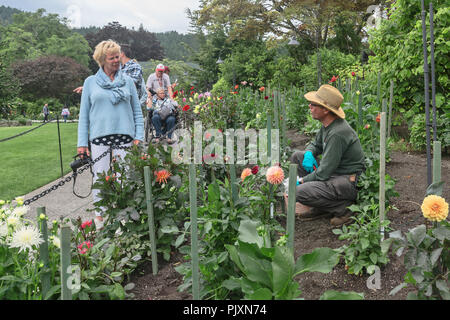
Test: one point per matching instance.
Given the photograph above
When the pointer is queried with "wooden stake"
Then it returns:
(66, 256)
(290, 223)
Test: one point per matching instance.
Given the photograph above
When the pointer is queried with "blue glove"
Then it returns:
(309, 162)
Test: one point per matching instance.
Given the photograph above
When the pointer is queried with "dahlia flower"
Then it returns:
(162, 176)
(434, 208)
(275, 175)
(245, 173)
(26, 237)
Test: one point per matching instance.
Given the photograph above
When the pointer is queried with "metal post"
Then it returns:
(194, 232)
(427, 94)
(60, 152)
(151, 218)
(234, 191)
(43, 252)
(433, 79)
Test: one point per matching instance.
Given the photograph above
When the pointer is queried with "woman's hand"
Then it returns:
(82, 150)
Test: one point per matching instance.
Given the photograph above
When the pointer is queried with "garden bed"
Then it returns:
(410, 172)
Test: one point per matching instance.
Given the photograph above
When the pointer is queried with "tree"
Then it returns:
(398, 49)
(9, 88)
(143, 44)
(32, 35)
(50, 76)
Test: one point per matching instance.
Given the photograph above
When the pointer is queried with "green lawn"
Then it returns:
(32, 160)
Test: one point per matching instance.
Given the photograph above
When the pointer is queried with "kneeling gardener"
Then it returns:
(327, 187)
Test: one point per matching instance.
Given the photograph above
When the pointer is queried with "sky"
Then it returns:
(155, 15)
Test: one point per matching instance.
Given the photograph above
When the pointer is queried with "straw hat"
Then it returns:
(328, 97)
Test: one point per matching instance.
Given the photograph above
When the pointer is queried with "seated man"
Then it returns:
(160, 105)
(329, 188)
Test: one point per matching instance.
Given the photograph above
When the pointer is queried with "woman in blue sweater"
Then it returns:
(110, 111)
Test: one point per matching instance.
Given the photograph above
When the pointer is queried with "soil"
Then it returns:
(410, 173)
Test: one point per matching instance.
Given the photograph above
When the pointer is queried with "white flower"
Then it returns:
(19, 200)
(3, 230)
(20, 211)
(13, 220)
(25, 238)
(56, 242)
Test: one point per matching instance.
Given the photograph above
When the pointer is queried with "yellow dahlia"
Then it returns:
(245, 173)
(275, 175)
(434, 208)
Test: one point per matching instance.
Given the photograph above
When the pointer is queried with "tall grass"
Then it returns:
(32, 160)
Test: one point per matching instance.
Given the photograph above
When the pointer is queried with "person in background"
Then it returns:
(158, 79)
(327, 188)
(110, 112)
(46, 112)
(167, 71)
(131, 69)
(158, 120)
(65, 113)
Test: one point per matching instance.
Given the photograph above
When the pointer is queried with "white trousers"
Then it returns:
(102, 166)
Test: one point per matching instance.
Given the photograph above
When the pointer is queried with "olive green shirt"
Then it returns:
(341, 151)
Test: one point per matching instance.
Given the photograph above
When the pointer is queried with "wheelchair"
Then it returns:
(150, 132)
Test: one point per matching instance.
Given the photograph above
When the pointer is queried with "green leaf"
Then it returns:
(442, 233)
(398, 288)
(169, 229)
(283, 269)
(232, 250)
(116, 274)
(417, 234)
(213, 193)
(249, 234)
(364, 243)
(117, 292)
(179, 241)
(373, 257)
(232, 284)
(319, 260)
(443, 289)
(435, 256)
(261, 294)
(344, 295)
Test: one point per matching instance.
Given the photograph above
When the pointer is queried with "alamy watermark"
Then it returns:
(226, 147)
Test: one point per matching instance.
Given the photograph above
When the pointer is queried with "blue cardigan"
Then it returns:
(100, 117)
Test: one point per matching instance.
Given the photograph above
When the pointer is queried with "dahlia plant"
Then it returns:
(427, 255)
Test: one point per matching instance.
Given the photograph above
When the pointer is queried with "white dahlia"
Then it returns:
(26, 237)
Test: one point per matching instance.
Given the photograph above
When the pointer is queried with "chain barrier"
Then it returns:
(25, 132)
(74, 175)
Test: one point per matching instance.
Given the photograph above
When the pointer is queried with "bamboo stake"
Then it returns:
(360, 113)
(379, 88)
(433, 78)
(290, 223)
(151, 218)
(66, 291)
(194, 232)
(43, 251)
(382, 195)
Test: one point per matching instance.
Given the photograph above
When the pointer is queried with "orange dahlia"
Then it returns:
(275, 175)
(162, 176)
(245, 173)
(434, 208)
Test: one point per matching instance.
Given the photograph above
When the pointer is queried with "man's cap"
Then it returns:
(160, 67)
(328, 97)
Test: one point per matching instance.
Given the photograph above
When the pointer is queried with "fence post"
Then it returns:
(194, 232)
(234, 191)
(360, 113)
(382, 194)
(290, 223)
(151, 218)
(66, 256)
(43, 251)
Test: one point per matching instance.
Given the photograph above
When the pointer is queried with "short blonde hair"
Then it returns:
(104, 48)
